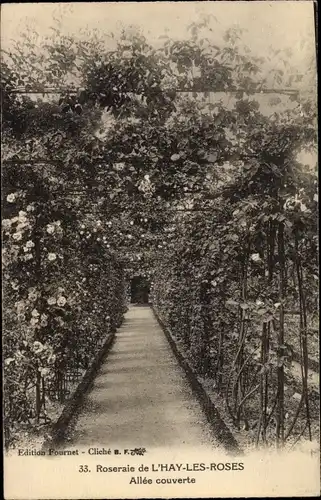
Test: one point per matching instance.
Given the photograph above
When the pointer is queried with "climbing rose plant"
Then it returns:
(133, 170)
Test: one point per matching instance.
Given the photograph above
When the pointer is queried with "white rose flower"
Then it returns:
(6, 223)
(11, 197)
(32, 296)
(30, 208)
(50, 229)
(28, 256)
(34, 321)
(255, 257)
(51, 301)
(17, 236)
(14, 284)
(61, 301)
(35, 313)
(30, 244)
(38, 346)
(52, 256)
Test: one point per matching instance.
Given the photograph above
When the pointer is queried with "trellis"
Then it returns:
(122, 258)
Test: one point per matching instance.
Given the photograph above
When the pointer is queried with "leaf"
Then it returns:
(212, 157)
(44, 371)
(8, 361)
(264, 369)
(175, 157)
(280, 362)
(231, 302)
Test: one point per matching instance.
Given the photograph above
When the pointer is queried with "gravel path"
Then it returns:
(140, 396)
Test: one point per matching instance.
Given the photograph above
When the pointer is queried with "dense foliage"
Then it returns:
(139, 160)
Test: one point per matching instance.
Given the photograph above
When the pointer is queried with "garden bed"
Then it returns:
(232, 438)
(59, 414)
(57, 432)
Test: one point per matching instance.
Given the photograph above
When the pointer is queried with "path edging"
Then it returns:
(221, 430)
(58, 429)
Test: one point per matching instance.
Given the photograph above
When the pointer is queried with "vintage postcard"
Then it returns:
(160, 250)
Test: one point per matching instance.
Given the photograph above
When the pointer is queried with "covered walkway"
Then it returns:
(140, 397)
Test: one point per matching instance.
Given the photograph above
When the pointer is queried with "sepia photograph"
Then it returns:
(160, 248)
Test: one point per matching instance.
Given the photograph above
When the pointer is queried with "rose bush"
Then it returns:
(140, 167)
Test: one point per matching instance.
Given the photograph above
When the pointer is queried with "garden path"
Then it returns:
(140, 396)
